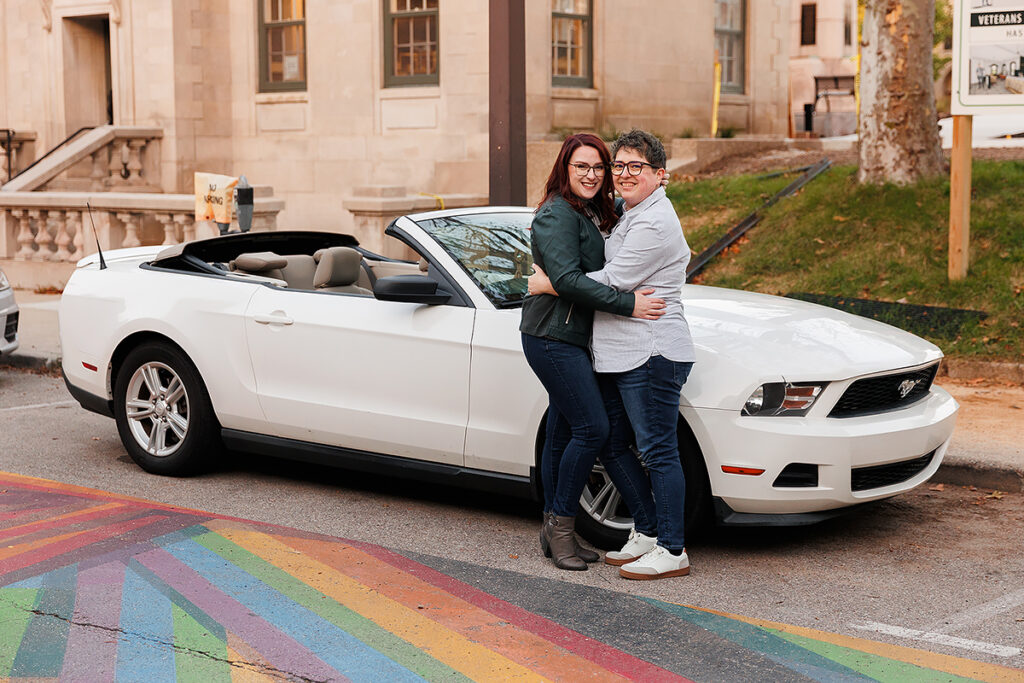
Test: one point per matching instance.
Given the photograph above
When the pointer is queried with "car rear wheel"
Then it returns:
(604, 519)
(163, 412)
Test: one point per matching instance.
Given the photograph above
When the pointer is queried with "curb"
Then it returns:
(995, 477)
(25, 361)
(958, 368)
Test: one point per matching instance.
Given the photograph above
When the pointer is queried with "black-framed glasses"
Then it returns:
(583, 169)
(635, 167)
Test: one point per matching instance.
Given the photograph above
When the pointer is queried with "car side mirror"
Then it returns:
(417, 289)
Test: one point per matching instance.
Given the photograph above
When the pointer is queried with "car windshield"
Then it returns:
(494, 248)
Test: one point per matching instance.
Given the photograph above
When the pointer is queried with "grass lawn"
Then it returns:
(883, 243)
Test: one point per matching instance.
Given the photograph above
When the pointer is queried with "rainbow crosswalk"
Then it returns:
(95, 586)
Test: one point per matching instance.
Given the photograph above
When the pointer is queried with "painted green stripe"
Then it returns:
(358, 626)
(198, 654)
(880, 668)
(41, 654)
(15, 611)
(756, 638)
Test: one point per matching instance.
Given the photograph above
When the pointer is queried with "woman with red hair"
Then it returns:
(567, 243)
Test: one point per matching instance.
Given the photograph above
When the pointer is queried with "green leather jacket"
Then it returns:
(567, 245)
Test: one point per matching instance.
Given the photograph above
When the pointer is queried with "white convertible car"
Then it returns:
(305, 345)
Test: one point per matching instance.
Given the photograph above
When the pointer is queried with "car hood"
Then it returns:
(799, 340)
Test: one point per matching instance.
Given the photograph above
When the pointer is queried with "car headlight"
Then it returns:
(4, 284)
(783, 398)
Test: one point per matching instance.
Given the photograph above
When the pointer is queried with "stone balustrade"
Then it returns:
(104, 159)
(22, 153)
(56, 227)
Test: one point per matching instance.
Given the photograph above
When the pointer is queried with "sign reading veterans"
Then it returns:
(988, 57)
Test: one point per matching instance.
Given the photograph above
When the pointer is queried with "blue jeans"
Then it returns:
(647, 398)
(577, 427)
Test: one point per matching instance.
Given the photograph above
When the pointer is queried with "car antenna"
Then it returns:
(103, 264)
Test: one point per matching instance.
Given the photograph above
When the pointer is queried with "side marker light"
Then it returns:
(753, 471)
(87, 366)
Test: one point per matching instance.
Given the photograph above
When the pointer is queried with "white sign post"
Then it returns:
(988, 78)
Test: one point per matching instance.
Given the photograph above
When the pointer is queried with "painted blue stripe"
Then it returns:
(348, 655)
(41, 653)
(35, 582)
(145, 648)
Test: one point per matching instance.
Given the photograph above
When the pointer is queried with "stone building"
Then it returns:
(823, 50)
(318, 98)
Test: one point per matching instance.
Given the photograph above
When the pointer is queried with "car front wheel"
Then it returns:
(604, 519)
(163, 412)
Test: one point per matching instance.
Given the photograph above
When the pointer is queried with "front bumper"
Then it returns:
(8, 322)
(834, 445)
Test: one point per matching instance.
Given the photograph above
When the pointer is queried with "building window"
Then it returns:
(730, 42)
(571, 38)
(282, 45)
(808, 24)
(410, 42)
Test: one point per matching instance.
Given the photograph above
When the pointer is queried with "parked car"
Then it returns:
(306, 345)
(8, 317)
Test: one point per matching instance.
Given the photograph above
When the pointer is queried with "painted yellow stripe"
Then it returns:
(958, 666)
(245, 662)
(463, 655)
(65, 516)
(19, 548)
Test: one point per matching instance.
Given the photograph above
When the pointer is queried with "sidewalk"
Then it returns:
(987, 449)
(96, 586)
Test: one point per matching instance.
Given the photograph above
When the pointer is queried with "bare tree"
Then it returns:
(899, 138)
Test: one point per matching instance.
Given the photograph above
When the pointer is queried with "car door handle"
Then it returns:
(273, 320)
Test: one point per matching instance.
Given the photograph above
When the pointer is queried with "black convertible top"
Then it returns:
(226, 247)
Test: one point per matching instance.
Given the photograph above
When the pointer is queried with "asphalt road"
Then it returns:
(938, 570)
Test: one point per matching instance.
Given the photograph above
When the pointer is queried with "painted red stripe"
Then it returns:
(80, 541)
(607, 656)
(58, 522)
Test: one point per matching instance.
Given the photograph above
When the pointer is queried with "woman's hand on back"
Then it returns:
(538, 283)
(645, 307)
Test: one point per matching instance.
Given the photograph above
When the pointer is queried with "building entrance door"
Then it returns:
(88, 95)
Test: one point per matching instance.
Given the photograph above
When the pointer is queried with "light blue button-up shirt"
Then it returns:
(645, 249)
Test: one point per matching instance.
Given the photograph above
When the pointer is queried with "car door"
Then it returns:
(347, 370)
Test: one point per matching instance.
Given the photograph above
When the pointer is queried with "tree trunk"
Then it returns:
(899, 135)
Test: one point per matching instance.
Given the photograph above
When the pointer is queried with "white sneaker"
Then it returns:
(636, 546)
(657, 564)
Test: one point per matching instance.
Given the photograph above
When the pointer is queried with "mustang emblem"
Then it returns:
(906, 386)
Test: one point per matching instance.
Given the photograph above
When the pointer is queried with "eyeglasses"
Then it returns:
(583, 169)
(635, 167)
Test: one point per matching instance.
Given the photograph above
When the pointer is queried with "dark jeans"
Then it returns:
(647, 398)
(577, 427)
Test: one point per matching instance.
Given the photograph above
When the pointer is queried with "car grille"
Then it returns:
(889, 392)
(11, 327)
(877, 476)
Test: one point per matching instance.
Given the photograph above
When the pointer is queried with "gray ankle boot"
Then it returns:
(562, 543)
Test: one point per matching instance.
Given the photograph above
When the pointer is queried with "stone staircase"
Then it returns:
(45, 217)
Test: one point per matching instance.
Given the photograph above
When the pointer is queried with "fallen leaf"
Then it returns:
(819, 240)
(513, 557)
(901, 300)
(937, 487)
(839, 219)
(997, 495)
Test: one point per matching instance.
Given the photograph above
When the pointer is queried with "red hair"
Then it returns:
(558, 181)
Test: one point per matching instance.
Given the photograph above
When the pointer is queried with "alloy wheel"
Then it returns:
(603, 502)
(157, 409)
